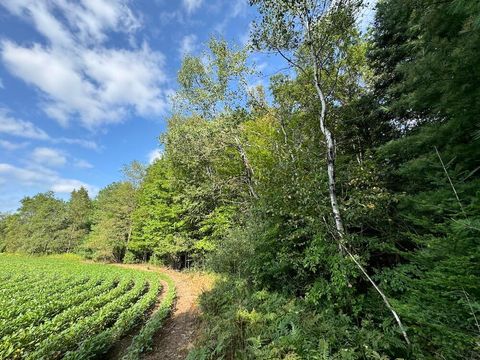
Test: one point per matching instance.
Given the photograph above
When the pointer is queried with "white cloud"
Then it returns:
(188, 45)
(48, 156)
(192, 5)
(154, 155)
(27, 177)
(128, 78)
(82, 164)
(87, 144)
(55, 73)
(10, 146)
(65, 186)
(41, 177)
(78, 75)
(20, 128)
(252, 87)
(92, 18)
(16, 127)
(86, 20)
(239, 7)
(167, 18)
(245, 37)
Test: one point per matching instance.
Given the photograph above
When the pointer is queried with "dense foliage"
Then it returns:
(112, 222)
(45, 224)
(245, 187)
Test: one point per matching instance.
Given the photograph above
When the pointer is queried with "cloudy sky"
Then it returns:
(85, 84)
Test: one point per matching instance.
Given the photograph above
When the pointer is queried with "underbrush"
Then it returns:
(240, 323)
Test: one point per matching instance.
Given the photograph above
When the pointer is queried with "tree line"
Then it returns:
(341, 205)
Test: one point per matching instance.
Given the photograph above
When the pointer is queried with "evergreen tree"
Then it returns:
(79, 212)
(112, 222)
(158, 228)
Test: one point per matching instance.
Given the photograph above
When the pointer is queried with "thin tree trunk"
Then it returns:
(331, 151)
(129, 235)
(331, 158)
(248, 169)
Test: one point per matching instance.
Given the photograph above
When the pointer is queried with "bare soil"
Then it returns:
(177, 336)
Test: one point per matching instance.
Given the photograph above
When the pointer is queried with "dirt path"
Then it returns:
(176, 338)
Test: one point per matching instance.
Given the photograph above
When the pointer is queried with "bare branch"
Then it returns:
(383, 296)
(451, 182)
(290, 61)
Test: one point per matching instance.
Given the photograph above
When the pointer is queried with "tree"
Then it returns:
(316, 33)
(3, 231)
(205, 175)
(158, 225)
(134, 173)
(425, 56)
(312, 36)
(216, 88)
(112, 222)
(215, 83)
(39, 225)
(79, 211)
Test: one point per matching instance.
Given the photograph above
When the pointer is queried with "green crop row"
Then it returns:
(55, 308)
(55, 305)
(127, 320)
(142, 342)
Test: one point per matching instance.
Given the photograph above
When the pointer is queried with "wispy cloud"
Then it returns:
(78, 75)
(239, 7)
(85, 21)
(236, 8)
(11, 146)
(154, 155)
(12, 126)
(82, 164)
(245, 37)
(41, 177)
(188, 45)
(87, 144)
(16, 127)
(192, 5)
(48, 156)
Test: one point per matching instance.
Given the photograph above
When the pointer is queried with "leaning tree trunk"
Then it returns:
(331, 157)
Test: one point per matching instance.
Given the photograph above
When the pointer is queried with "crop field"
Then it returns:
(60, 307)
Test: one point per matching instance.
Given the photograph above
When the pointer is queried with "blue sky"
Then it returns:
(85, 84)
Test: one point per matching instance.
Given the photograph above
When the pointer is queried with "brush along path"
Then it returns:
(176, 337)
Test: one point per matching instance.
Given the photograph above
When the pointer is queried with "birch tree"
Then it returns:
(311, 35)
